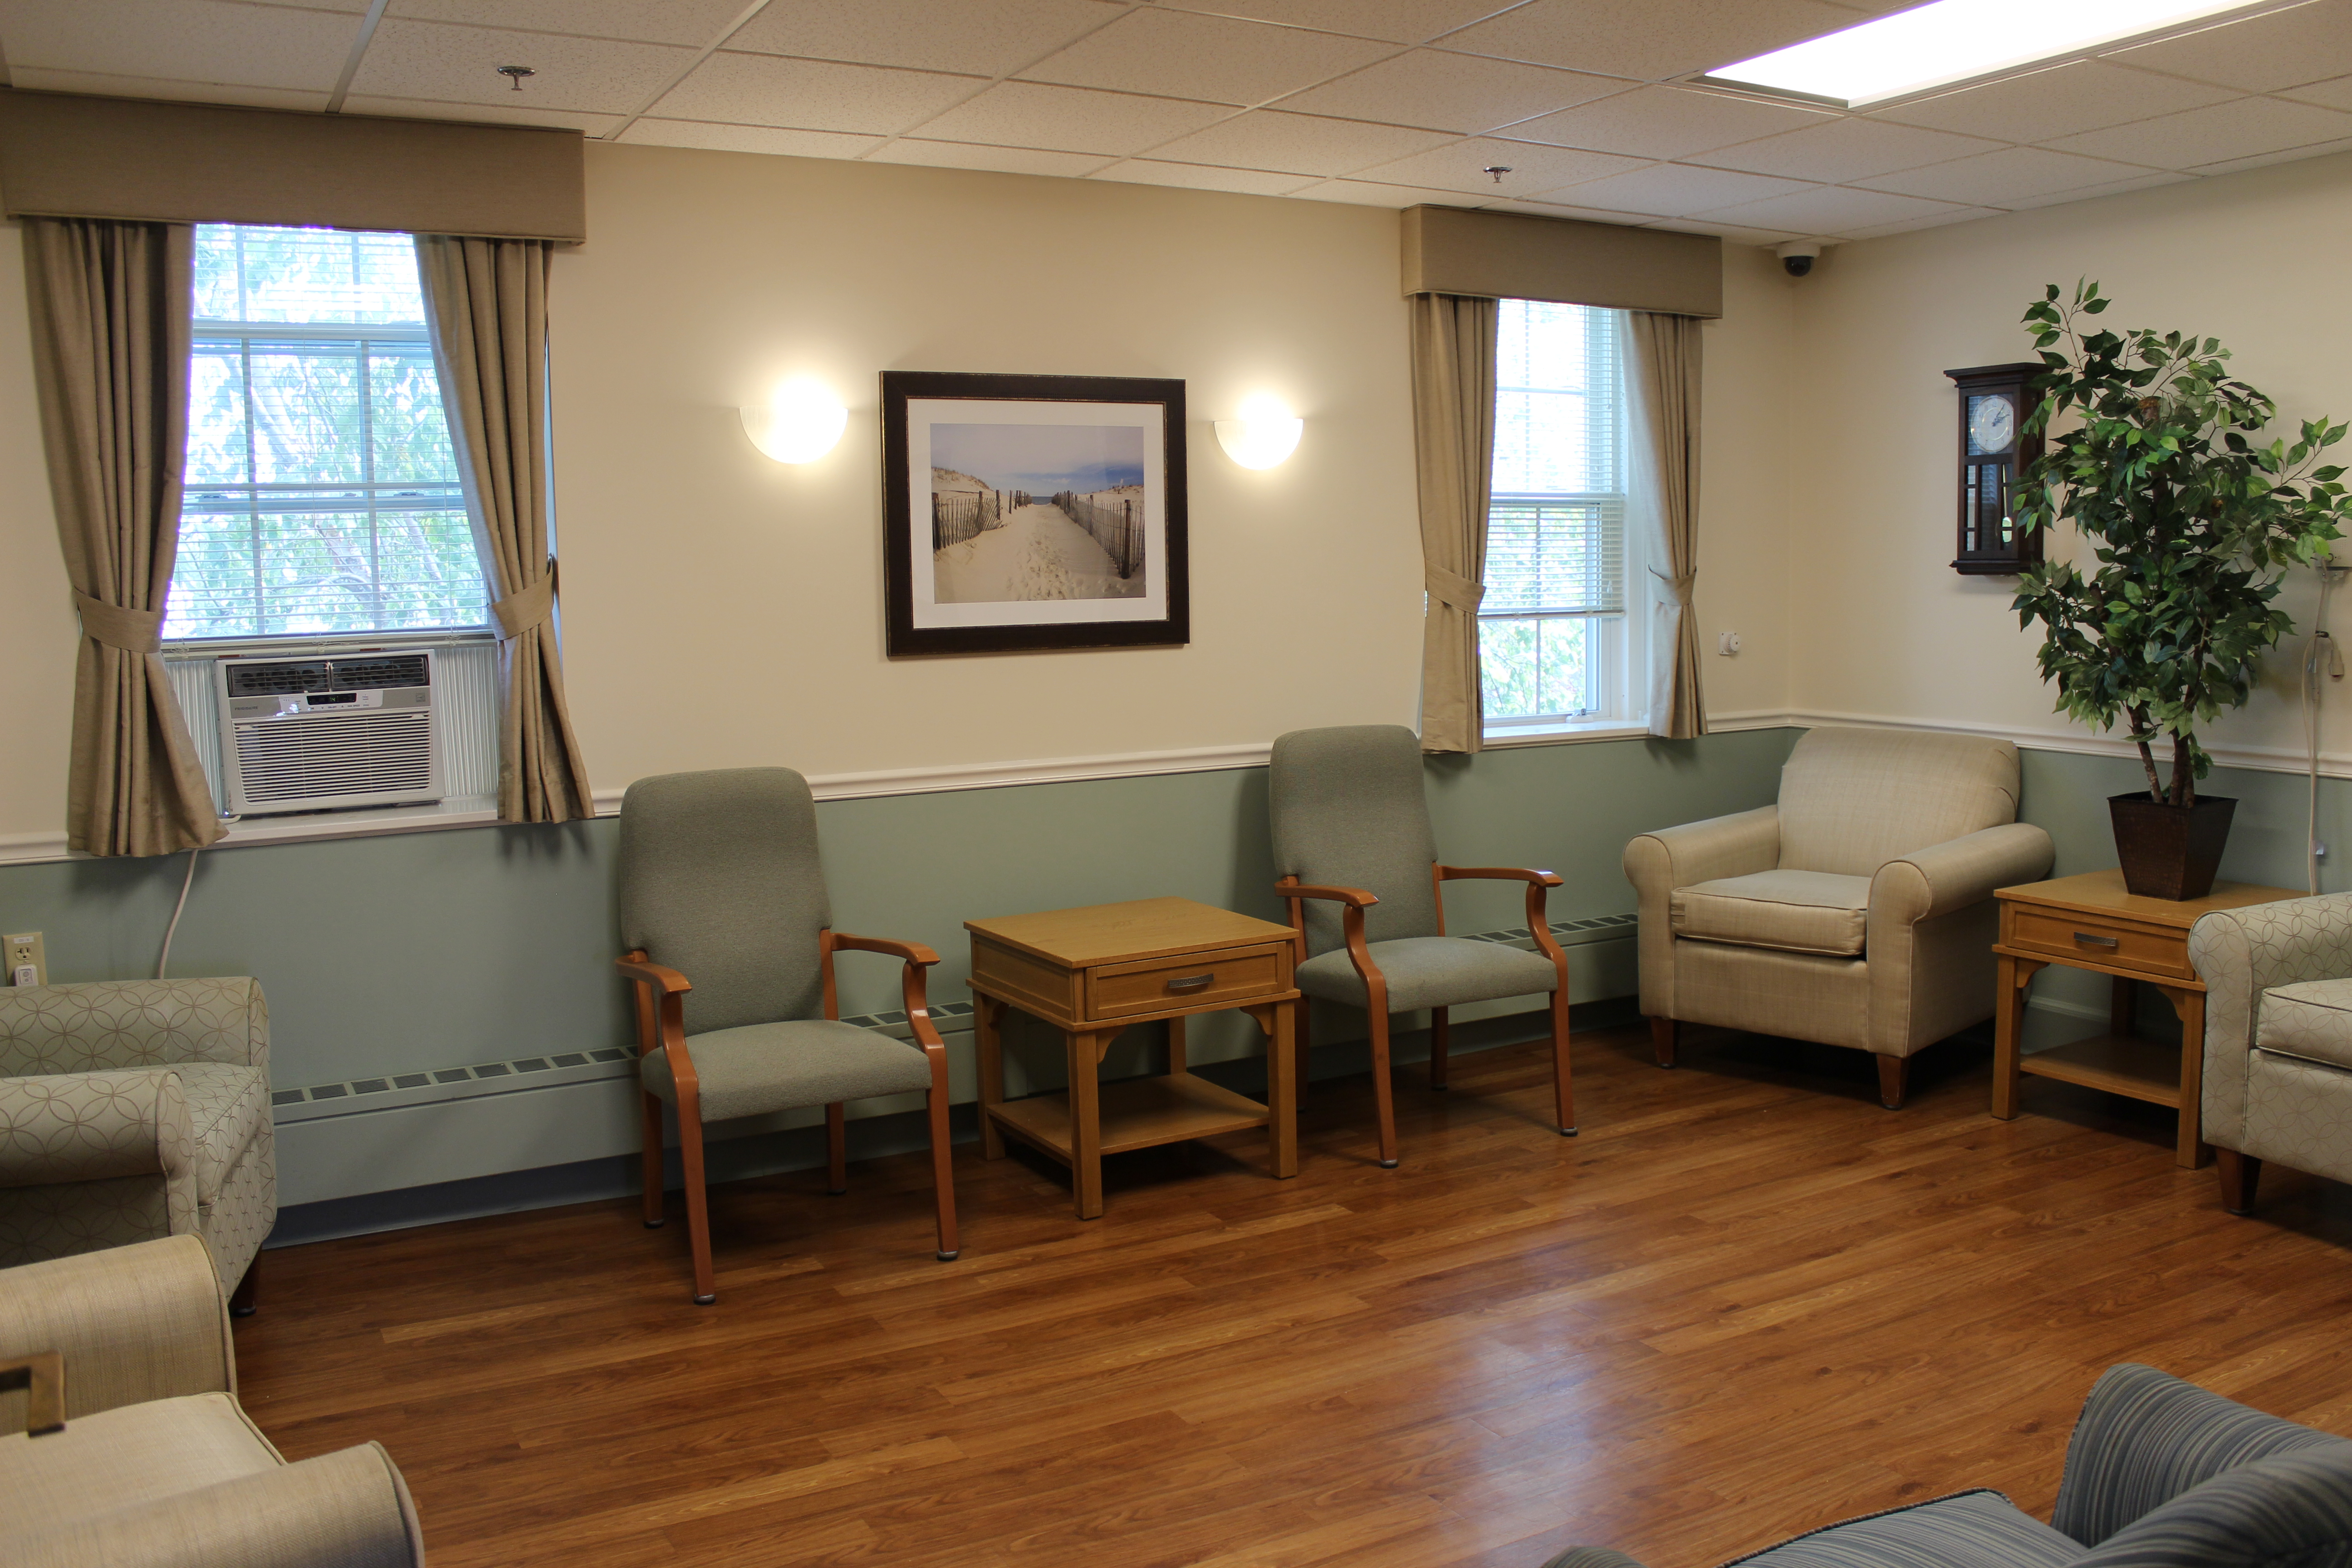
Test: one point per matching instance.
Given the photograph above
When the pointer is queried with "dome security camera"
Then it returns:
(1798, 255)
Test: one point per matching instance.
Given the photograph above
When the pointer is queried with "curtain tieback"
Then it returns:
(520, 611)
(133, 631)
(1454, 589)
(1677, 590)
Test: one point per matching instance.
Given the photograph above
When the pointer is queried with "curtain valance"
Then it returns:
(1509, 256)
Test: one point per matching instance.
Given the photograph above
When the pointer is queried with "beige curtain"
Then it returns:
(487, 300)
(1662, 372)
(1453, 456)
(109, 305)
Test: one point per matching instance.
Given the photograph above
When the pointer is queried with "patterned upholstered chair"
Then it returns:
(135, 1109)
(144, 1457)
(2278, 1040)
(1351, 829)
(1857, 912)
(2160, 1474)
(723, 909)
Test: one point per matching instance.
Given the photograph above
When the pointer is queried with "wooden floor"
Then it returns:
(1746, 1302)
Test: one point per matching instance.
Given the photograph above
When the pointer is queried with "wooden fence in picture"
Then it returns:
(1116, 526)
(958, 515)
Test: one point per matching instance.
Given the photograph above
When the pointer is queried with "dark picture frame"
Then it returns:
(981, 556)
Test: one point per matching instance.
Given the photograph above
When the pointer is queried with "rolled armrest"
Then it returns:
(91, 1026)
(1732, 846)
(2144, 1438)
(2240, 954)
(134, 1324)
(95, 1126)
(346, 1509)
(1959, 872)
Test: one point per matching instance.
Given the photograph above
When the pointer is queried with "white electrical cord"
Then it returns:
(2318, 642)
(164, 959)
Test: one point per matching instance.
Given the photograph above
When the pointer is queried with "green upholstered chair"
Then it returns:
(1352, 830)
(731, 945)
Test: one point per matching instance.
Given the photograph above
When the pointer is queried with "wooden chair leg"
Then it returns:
(1304, 1031)
(1563, 1083)
(1382, 1096)
(1440, 1040)
(247, 1297)
(697, 1201)
(836, 1150)
(943, 1177)
(2240, 1174)
(653, 1153)
(1662, 1041)
(1893, 1078)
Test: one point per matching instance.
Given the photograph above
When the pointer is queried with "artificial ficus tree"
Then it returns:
(2156, 455)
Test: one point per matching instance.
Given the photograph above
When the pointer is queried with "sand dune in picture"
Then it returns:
(1037, 553)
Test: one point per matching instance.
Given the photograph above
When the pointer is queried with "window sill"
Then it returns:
(1565, 732)
(459, 811)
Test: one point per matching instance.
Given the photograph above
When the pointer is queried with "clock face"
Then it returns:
(1992, 425)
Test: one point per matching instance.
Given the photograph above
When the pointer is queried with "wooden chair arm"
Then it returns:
(664, 979)
(912, 951)
(1498, 873)
(42, 1376)
(1354, 897)
(661, 1014)
(914, 991)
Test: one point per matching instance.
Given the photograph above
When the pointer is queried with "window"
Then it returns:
(1553, 649)
(323, 496)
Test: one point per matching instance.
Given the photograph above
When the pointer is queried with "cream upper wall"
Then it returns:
(1746, 419)
(1885, 629)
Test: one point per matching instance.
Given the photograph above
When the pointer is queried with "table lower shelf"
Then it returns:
(1136, 1114)
(2119, 1064)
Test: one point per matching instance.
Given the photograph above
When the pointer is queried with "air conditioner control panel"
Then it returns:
(295, 704)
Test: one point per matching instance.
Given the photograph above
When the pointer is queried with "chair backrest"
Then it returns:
(721, 881)
(1852, 800)
(1348, 811)
(97, 1025)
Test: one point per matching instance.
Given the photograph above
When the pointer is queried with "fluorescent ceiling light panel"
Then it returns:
(1955, 40)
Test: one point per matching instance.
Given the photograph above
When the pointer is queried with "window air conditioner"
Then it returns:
(324, 734)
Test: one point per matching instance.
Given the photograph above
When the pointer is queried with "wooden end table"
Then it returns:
(2090, 922)
(1093, 972)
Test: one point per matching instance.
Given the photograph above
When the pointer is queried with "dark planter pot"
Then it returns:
(2170, 851)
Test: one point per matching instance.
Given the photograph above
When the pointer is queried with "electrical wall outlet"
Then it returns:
(28, 960)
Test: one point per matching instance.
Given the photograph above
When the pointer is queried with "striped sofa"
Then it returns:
(2160, 1474)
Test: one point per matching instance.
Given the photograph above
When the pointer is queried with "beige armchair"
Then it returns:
(1857, 912)
(123, 1443)
(137, 1109)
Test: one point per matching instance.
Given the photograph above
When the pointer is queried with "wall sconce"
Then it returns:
(1266, 433)
(801, 422)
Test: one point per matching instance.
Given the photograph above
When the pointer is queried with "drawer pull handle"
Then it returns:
(2085, 939)
(1191, 982)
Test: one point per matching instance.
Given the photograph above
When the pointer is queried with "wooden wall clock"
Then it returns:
(1994, 448)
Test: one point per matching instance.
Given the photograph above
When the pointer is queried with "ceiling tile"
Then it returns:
(1395, 21)
(970, 37)
(1938, 220)
(1200, 177)
(1731, 233)
(1069, 119)
(695, 22)
(1215, 59)
(1652, 40)
(1844, 149)
(1830, 210)
(2003, 178)
(459, 65)
(1532, 168)
(180, 41)
(476, 114)
(1666, 122)
(1299, 143)
(1678, 190)
(32, 79)
(1372, 194)
(2091, 192)
(654, 133)
(999, 160)
(1442, 91)
(2083, 96)
(2240, 128)
(2334, 93)
(810, 95)
(2259, 54)
(2262, 160)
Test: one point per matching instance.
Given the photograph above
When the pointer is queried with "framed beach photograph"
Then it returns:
(1026, 513)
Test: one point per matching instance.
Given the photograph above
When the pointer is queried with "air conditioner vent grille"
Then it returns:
(379, 673)
(381, 753)
(277, 676)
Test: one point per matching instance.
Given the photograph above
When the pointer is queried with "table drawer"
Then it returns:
(2072, 936)
(1226, 977)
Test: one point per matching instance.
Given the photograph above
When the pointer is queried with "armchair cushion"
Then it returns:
(1853, 799)
(763, 1067)
(134, 1325)
(1430, 972)
(1967, 1529)
(1797, 912)
(2311, 1019)
(135, 1454)
(1348, 810)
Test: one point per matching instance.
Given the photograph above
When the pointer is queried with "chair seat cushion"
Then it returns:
(130, 1455)
(756, 1068)
(1967, 1529)
(228, 1104)
(2311, 1020)
(1431, 972)
(1796, 912)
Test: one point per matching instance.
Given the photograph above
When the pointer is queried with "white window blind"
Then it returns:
(321, 494)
